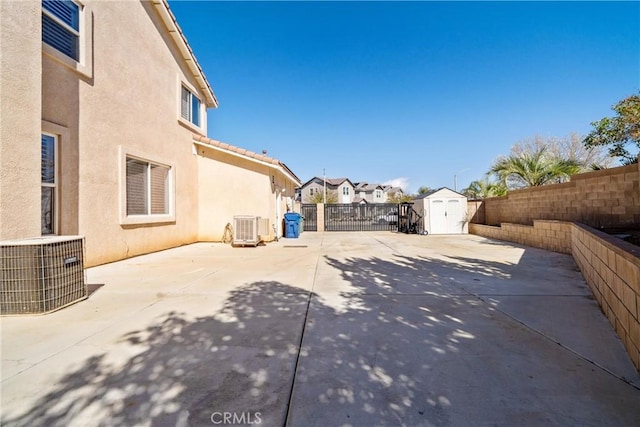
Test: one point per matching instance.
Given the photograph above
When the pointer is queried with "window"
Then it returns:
(345, 191)
(61, 26)
(147, 188)
(48, 184)
(311, 191)
(190, 106)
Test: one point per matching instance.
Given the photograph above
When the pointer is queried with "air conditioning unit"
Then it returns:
(41, 275)
(246, 230)
(263, 228)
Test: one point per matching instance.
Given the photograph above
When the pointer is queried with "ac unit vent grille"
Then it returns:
(41, 275)
(263, 228)
(245, 230)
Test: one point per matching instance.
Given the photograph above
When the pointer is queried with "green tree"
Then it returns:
(483, 188)
(567, 147)
(619, 133)
(533, 169)
(332, 197)
(399, 197)
(423, 190)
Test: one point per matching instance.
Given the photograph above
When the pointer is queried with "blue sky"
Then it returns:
(415, 91)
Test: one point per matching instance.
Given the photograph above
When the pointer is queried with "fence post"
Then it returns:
(320, 216)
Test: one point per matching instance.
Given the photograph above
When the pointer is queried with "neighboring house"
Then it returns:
(360, 201)
(342, 187)
(347, 191)
(372, 193)
(102, 133)
(391, 191)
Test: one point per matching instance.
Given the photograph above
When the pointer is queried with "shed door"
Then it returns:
(438, 217)
(454, 217)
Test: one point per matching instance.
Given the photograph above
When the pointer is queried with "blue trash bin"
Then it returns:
(292, 222)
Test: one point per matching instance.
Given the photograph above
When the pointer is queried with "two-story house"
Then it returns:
(370, 193)
(347, 191)
(103, 133)
(342, 187)
(391, 191)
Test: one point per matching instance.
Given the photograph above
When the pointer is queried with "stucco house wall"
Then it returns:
(232, 181)
(348, 187)
(128, 103)
(21, 92)
(120, 99)
(317, 188)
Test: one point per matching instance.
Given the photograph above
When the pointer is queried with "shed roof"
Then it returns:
(432, 192)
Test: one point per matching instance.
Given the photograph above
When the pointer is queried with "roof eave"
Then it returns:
(169, 20)
(247, 155)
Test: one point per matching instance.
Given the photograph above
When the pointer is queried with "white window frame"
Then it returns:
(54, 185)
(84, 64)
(66, 26)
(170, 217)
(202, 116)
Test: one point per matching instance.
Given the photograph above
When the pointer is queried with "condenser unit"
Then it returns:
(263, 228)
(41, 275)
(246, 230)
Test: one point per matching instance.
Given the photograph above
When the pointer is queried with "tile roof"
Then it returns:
(336, 181)
(369, 187)
(243, 152)
(429, 193)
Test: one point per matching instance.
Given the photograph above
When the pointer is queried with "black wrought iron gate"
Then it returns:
(310, 215)
(360, 217)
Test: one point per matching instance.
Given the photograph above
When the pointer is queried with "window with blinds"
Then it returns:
(61, 26)
(147, 188)
(48, 183)
(189, 106)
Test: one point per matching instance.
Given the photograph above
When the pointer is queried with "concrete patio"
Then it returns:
(331, 329)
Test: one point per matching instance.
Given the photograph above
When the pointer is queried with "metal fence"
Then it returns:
(361, 217)
(310, 215)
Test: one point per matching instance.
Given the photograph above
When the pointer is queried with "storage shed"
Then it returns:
(443, 211)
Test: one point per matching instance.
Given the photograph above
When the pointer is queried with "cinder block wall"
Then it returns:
(550, 235)
(609, 265)
(475, 211)
(606, 198)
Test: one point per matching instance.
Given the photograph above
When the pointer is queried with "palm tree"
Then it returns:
(483, 188)
(534, 169)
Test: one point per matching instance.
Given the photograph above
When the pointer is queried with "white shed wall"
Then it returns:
(434, 220)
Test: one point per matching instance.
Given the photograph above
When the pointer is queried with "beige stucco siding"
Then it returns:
(306, 191)
(130, 102)
(20, 119)
(230, 185)
(120, 99)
